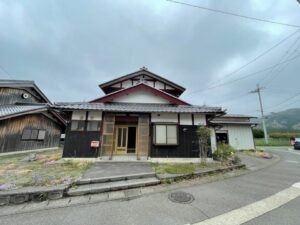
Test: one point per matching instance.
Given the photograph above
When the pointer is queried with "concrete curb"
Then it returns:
(36, 194)
(176, 177)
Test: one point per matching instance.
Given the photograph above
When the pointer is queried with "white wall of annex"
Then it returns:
(240, 136)
(164, 117)
(141, 97)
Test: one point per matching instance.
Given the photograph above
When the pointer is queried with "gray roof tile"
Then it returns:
(137, 107)
(7, 110)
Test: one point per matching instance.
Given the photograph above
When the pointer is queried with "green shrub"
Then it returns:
(224, 152)
(285, 135)
(258, 133)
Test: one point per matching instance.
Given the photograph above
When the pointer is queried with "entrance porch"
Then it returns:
(125, 135)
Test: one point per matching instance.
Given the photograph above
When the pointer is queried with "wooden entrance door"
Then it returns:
(121, 139)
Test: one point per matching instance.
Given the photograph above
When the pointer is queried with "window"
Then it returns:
(33, 134)
(77, 125)
(41, 135)
(93, 126)
(26, 134)
(165, 135)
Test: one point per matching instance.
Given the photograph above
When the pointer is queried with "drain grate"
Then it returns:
(181, 197)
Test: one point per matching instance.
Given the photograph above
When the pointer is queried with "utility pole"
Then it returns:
(257, 90)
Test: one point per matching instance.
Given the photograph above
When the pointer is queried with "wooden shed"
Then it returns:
(27, 119)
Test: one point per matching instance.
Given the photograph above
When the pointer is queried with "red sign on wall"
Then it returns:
(95, 144)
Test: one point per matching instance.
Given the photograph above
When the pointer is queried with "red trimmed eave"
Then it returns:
(110, 97)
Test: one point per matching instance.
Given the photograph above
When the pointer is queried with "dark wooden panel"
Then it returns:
(77, 143)
(187, 147)
(11, 132)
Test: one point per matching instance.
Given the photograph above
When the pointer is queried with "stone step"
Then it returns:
(83, 181)
(112, 186)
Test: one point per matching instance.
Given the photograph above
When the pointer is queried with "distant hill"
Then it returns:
(288, 120)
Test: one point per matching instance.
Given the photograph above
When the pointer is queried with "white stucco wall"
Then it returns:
(95, 115)
(240, 136)
(186, 119)
(126, 83)
(78, 115)
(141, 97)
(199, 119)
(164, 118)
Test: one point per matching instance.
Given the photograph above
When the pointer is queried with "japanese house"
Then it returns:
(27, 120)
(140, 115)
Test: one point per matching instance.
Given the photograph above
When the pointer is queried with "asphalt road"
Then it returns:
(211, 199)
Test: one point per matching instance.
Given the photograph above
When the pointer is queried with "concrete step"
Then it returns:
(112, 186)
(83, 181)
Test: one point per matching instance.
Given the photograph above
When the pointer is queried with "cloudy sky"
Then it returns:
(69, 47)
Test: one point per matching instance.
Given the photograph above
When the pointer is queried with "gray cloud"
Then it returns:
(69, 48)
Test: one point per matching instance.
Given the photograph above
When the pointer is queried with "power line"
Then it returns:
(284, 101)
(262, 54)
(231, 99)
(257, 57)
(5, 71)
(233, 14)
(246, 76)
(288, 53)
(284, 107)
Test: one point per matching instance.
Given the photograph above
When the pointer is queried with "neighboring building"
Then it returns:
(140, 115)
(235, 130)
(27, 121)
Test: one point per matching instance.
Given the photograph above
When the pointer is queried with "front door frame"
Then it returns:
(122, 150)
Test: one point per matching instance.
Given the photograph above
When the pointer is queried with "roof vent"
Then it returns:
(25, 95)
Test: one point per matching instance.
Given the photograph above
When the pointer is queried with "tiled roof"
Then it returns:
(23, 84)
(141, 72)
(137, 107)
(238, 116)
(233, 122)
(234, 119)
(10, 110)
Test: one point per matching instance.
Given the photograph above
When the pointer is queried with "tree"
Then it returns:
(204, 134)
(258, 133)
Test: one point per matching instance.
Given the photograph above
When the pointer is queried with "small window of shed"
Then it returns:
(41, 135)
(26, 134)
(34, 134)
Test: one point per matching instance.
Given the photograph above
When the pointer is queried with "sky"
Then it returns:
(69, 47)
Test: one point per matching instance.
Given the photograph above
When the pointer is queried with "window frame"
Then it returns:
(93, 121)
(78, 121)
(166, 137)
(45, 132)
(31, 130)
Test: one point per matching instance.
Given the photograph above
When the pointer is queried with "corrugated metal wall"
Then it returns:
(240, 137)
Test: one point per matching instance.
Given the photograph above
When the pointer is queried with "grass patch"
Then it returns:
(49, 169)
(181, 168)
(272, 142)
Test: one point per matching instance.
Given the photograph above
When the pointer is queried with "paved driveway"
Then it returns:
(108, 169)
(211, 199)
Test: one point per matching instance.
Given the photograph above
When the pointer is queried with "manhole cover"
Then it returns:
(181, 197)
